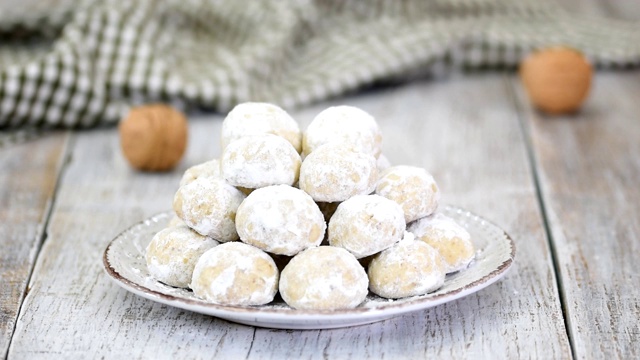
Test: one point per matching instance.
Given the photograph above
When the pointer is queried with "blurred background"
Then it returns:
(81, 63)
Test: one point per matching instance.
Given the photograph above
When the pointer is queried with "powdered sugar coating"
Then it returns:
(253, 118)
(260, 160)
(408, 268)
(346, 125)
(208, 206)
(335, 173)
(323, 278)
(173, 252)
(450, 239)
(366, 224)
(235, 274)
(208, 169)
(280, 219)
(411, 187)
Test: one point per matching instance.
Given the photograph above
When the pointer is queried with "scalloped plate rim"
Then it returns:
(286, 318)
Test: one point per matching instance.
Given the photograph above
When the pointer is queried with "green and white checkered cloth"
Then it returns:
(77, 65)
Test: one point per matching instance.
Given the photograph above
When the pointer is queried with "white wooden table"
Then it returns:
(565, 188)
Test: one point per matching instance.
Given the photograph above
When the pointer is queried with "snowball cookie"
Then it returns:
(280, 219)
(260, 118)
(408, 268)
(346, 125)
(450, 239)
(208, 206)
(173, 252)
(366, 224)
(235, 274)
(260, 160)
(335, 173)
(208, 169)
(411, 187)
(323, 278)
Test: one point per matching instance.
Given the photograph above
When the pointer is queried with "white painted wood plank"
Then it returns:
(28, 174)
(589, 167)
(73, 310)
(465, 131)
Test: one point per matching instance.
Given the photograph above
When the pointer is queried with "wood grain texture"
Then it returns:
(27, 181)
(465, 131)
(73, 310)
(589, 167)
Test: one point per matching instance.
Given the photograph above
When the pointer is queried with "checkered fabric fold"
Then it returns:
(85, 64)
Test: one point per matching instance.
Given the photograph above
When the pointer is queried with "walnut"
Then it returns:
(153, 137)
(556, 79)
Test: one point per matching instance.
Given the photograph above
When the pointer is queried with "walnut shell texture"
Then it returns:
(557, 80)
(153, 137)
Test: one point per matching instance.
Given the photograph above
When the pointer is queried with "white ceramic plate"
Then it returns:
(124, 262)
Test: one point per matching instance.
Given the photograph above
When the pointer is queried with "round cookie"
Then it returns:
(280, 219)
(366, 224)
(208, 206)
(173, 252)
(450, 239)
(407, 268)
(260, 118)
(346, 125)
(235, 274)
(208, 169)
(260, 160)
(411, 187)
(335, 173)
(323, 278)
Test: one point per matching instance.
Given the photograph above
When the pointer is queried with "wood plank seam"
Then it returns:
(42, 233)
(520, 105)
(253, 339)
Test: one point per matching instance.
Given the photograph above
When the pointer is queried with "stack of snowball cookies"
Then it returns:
(319, 216)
